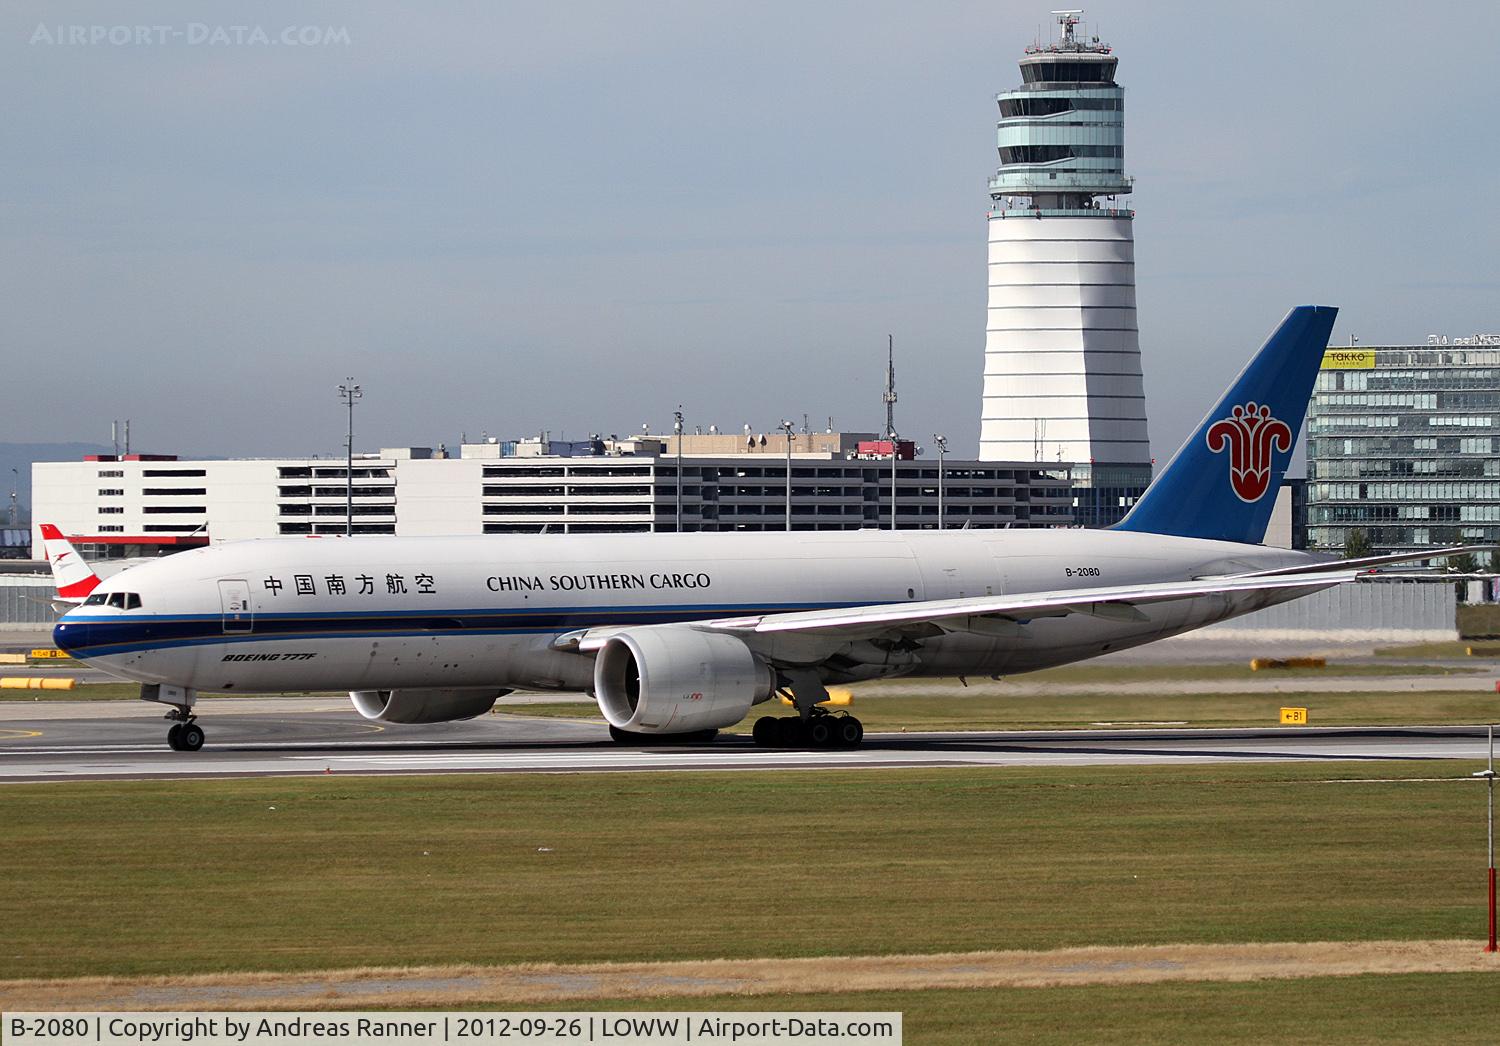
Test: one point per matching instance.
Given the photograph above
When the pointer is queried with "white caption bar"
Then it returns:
(467, 1028)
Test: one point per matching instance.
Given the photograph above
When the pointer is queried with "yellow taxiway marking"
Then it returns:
(16, 734)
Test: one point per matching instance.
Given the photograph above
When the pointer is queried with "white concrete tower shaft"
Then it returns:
(1062, 376)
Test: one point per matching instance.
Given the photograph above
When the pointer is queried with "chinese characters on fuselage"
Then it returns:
(424, 584)
(338, 585)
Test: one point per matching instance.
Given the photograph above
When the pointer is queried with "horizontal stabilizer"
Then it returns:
(1372, 563)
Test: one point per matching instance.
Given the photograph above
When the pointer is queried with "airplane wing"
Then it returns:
(1117, 602)
(982, 614)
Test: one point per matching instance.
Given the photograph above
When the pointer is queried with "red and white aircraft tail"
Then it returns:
(74, 578)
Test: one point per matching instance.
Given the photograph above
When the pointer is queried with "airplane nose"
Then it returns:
(70, 636)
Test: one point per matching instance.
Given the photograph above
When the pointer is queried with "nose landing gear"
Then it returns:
(185, 735)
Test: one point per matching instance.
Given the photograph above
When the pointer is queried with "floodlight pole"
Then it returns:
(894, 455)
(349, 392)
(787, 427)
(942, 446)
(677, 428)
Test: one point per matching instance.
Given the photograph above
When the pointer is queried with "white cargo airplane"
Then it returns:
(679, 635)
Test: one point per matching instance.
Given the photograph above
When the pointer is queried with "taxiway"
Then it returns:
(271, 737)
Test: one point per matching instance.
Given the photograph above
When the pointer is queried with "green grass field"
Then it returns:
(172, 877)
(1480, 650)
(1409, 1008)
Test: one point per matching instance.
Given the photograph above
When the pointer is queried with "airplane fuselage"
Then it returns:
(381, 613)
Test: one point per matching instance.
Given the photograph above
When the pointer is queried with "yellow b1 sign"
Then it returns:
(1349, 359)
(42, 654)
(1294, 716)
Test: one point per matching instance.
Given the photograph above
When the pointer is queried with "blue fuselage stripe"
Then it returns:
(100, 635)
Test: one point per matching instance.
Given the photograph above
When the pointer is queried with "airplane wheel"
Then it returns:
(191, 738)
(174, 737)
(790, 732)
(849, 731)
(765, 731)
(820, 732)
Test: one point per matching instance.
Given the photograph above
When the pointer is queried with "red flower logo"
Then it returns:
(1250, 434)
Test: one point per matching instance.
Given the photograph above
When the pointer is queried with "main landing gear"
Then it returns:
(185, 734)
(822, 729)
(813, 726)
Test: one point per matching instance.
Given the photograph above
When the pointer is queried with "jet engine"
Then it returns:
(672, 679)
(424, 705)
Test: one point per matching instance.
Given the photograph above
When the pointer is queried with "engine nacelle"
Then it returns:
(424, 705)
(672, 679)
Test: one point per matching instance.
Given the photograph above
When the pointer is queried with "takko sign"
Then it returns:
(1349, 359)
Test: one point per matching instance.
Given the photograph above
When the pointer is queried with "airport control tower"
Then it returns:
(1062, 361)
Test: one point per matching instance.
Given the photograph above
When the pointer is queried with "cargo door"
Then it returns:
(953, 570)
(234, 597)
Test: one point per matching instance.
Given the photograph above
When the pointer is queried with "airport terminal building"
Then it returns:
(149, 504)
(1404, 444)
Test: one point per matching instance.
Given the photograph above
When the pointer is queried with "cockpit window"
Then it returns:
(118, 600)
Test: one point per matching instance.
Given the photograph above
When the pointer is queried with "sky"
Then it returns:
(503, 218)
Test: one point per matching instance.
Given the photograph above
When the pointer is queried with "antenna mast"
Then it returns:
(890, 386)
(1068, 19)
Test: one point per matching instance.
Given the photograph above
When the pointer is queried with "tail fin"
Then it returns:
(1222, 482)
(74, 578)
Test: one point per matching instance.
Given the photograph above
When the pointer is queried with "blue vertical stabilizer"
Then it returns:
(1222, 482)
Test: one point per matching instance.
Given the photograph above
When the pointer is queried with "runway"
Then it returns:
(251, 738)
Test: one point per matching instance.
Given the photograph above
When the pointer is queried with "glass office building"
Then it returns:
(1404, 444)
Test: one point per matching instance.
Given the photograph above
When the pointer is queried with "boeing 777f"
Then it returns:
(683, 634)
